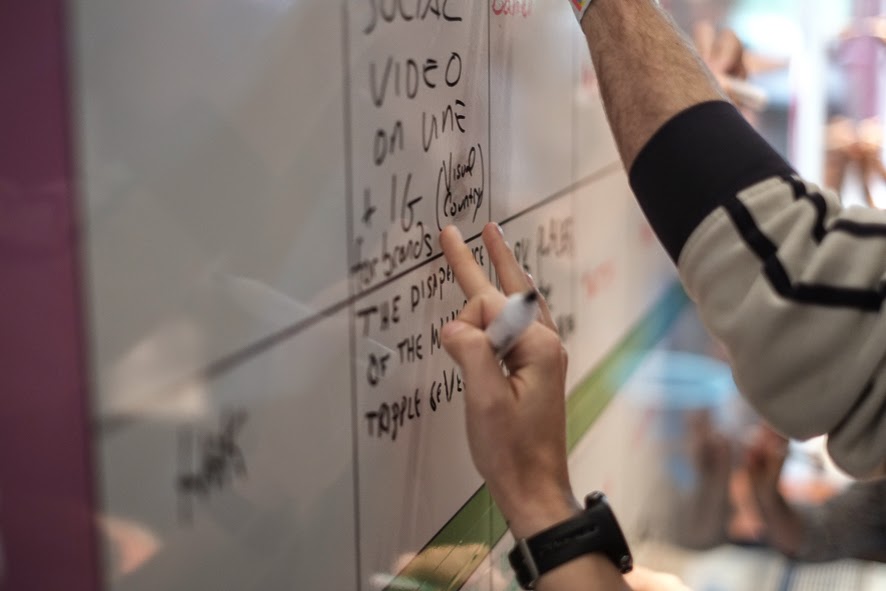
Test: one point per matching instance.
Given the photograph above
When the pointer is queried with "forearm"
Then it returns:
(764, 255)
(647, 71)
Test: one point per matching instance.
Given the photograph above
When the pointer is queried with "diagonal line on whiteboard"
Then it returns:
(225, 364)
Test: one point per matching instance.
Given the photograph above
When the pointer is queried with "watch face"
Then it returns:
(595, 530)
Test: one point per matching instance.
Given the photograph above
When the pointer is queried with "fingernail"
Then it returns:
(500, 231)
(530, 279)
(454, 229)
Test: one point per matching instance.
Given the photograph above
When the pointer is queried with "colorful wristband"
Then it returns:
(580, 7)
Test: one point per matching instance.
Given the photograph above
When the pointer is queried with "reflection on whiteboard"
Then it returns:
(264, 184)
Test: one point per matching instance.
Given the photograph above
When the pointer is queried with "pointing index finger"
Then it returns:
(470, 276)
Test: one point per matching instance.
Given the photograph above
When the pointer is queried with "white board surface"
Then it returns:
(264, 182)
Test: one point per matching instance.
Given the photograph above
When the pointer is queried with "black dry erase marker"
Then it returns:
(518, 314)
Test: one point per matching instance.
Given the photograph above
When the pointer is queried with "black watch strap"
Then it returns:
(595, 530)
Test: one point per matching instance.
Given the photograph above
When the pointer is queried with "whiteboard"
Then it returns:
(263, 184)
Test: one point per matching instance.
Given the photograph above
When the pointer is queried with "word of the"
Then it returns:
(387, 313)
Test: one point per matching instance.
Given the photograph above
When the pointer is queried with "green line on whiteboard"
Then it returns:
(589, 399)
(453, 555)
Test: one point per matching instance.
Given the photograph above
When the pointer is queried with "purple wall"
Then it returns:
(47, 535)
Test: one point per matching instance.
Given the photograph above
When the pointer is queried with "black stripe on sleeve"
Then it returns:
(858, 229)
(850, 227)
(868, 300)
(696, 161)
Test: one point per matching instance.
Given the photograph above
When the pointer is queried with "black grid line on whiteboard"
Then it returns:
(352, 330)
(227, 363)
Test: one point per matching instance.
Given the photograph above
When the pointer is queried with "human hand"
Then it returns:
(724, 54)
(765, 458)
(516, 424)
(722, 51)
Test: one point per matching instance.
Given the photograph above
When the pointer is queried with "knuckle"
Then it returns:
(551, 346)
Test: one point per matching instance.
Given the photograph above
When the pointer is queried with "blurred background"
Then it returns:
(820, 65)
(748, 509)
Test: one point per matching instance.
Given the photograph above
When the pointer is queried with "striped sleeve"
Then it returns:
(789, 281)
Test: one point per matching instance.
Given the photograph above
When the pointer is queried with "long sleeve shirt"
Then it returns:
(786, 278)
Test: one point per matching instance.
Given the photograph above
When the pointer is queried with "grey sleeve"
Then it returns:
(789, 281)
(793, 285)
(848, 526)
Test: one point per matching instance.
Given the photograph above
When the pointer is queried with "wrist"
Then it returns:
(531, 517)
(593, 530)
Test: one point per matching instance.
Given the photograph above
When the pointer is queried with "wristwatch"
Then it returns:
(595, 530)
